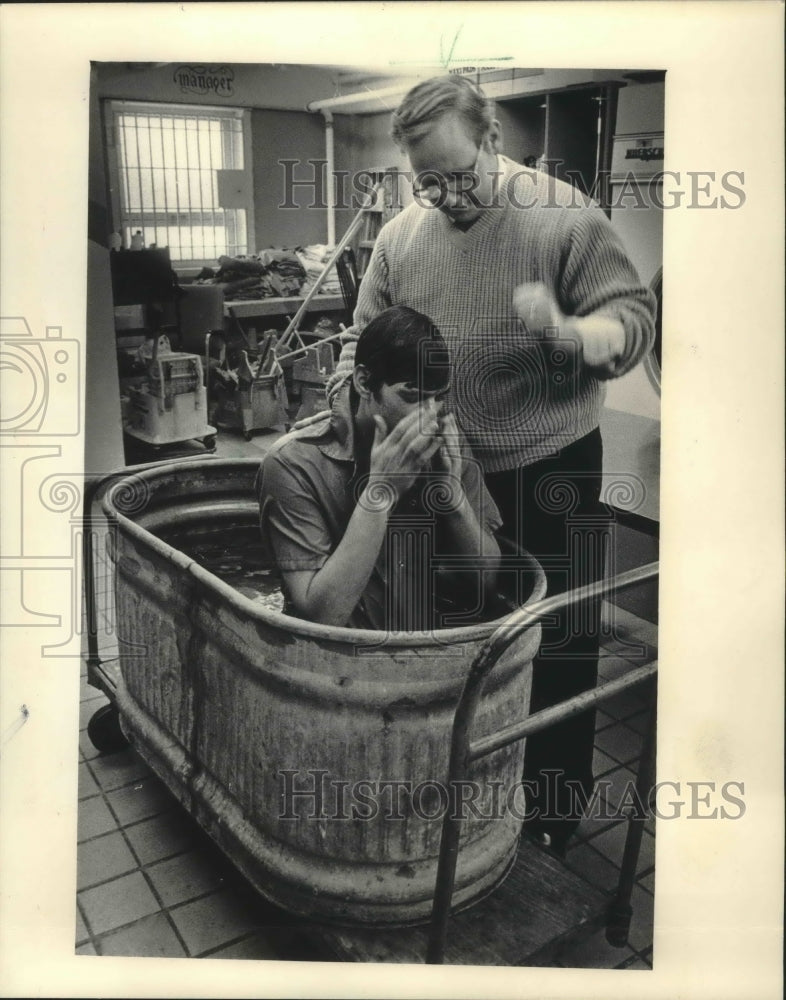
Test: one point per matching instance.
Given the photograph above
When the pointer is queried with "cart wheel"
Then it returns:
(104, 730)
(248, 435)
(209, 442)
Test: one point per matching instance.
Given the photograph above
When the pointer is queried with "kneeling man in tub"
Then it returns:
(375, 512)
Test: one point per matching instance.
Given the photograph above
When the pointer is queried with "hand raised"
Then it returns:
(597, 340)
(398, 455)
(448, 458)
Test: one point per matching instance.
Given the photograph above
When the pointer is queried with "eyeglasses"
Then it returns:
(457, 182)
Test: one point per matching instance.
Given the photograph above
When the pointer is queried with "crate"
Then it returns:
(316, 364)
(253, 406)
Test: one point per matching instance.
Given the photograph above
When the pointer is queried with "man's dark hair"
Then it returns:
(402, 345)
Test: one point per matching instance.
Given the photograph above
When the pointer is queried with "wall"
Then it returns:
(103, 433)
(103, 430)
(363, 142)
(631, 418)
(287, 135)
(523, 127)
(98, 221)
(640, 109)
(282, 87)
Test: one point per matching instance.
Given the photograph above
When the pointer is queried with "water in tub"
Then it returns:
(236, 555)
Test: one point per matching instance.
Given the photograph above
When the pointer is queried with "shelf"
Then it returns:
(243, 308)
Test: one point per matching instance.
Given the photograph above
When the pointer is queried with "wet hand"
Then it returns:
(397, 456)
(602, 343)
(599, 338)
(449, 465)
(448, 458)
(537, 308)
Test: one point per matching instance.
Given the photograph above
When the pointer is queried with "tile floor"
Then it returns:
(151, 884)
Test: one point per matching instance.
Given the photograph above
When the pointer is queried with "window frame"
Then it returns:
(111, 107)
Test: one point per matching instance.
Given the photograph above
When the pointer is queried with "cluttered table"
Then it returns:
(204, 308)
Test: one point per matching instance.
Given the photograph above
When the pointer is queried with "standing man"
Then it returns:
(539, 305)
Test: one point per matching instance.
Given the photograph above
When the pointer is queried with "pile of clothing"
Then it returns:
(269, 274)
(284, 271)
(272, 273)
(313, 260)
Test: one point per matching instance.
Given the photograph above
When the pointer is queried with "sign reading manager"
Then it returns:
(216, 80)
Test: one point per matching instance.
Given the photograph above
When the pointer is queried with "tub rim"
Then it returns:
(341, 634)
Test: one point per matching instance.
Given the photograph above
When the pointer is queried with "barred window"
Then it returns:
(181, 174)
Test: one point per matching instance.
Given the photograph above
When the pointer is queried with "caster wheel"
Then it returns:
(105, 732)
(209, 442)
(248, 436)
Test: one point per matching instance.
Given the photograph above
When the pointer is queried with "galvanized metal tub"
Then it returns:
(245, 713)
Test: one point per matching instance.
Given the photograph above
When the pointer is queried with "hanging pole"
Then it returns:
(291, 329)
(330, 168)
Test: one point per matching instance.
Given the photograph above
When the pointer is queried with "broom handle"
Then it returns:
(301, 350)
(286, 336)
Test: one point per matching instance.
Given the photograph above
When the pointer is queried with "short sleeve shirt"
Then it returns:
(308, 487)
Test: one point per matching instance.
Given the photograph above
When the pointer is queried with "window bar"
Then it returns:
(238, 163)
(125, 194)
(192, 207)
(139, 176)
(196, 242)
(225, 213)
(228, 161)
(129, 133)
(230, 216)
(195, 198)
(202, 133)
(220, 210)
(152, 180)
(163, 180)
(188, 235)
(216, 126)
(180, 248)
(213, 181)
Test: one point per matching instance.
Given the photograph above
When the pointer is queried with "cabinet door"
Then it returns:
(573, 146)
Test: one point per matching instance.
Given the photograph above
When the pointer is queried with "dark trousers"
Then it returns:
(552, 508)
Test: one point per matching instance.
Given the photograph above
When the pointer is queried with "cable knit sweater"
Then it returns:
(516, 398)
